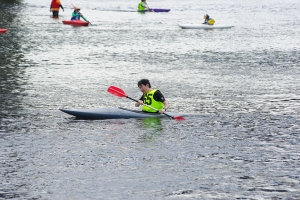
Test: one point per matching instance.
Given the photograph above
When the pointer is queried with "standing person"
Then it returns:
(142, 6)
(76, 15)
(54, 7)
(208, 20)
(151, 97)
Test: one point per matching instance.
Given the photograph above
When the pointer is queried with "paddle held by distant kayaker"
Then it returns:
(142, 6)
(76, 15)
(151, 97)
(208, 20)
(54, 7)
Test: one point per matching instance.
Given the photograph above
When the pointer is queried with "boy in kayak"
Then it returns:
(208, 20)
(142, 6)
(76, 15)
(151, 97)
(54, 7)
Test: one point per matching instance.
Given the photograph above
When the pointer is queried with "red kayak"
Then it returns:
(3, 30)
(76, 22)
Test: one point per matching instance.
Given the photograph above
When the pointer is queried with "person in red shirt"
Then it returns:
(54, 7)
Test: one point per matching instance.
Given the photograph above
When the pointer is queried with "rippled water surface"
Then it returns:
(239, 89)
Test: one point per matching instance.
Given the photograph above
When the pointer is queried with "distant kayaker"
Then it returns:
(143, 6)
(76, 15)
(208, 20)
(54, 7)
(151, 97)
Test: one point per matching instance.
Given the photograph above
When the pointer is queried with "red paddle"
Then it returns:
(114, 90)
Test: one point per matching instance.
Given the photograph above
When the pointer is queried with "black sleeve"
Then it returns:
(142, 98)
(158, 96)
(61, 6)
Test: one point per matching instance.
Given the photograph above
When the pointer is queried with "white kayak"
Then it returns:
(203, 26)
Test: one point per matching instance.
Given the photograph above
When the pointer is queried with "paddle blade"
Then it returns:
(73, 6)
(114, 90)
(178, 118)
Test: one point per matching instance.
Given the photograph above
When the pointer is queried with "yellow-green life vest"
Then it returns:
(149, 100)
(211, 21)
(140, 6)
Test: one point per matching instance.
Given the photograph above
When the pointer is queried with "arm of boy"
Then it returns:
(84, 18)
(137, 104)
(166, 106)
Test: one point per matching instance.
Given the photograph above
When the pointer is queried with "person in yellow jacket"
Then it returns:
(54, 7)
(142, 6)
(208, 20)
(151, 97)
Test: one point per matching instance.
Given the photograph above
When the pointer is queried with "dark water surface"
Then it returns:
(239, 87)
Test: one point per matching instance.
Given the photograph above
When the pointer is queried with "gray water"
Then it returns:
(237, 88)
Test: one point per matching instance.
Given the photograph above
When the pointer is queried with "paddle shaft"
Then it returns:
(149, 106)
(150, 10)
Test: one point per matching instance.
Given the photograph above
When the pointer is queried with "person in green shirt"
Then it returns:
(76, 15)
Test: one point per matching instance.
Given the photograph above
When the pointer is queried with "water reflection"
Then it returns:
(152, 128)
(9, 42)
(11, 57)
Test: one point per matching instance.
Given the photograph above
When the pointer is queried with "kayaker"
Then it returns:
(142, 6)
(151, 97)
(54, 7)
(76, 15)
(208, 20)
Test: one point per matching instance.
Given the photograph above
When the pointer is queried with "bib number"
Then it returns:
(148, 99)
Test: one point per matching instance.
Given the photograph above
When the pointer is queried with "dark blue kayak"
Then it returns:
(156, 10)
(110, 113)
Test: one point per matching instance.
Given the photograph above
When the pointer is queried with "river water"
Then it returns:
(238, 89)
